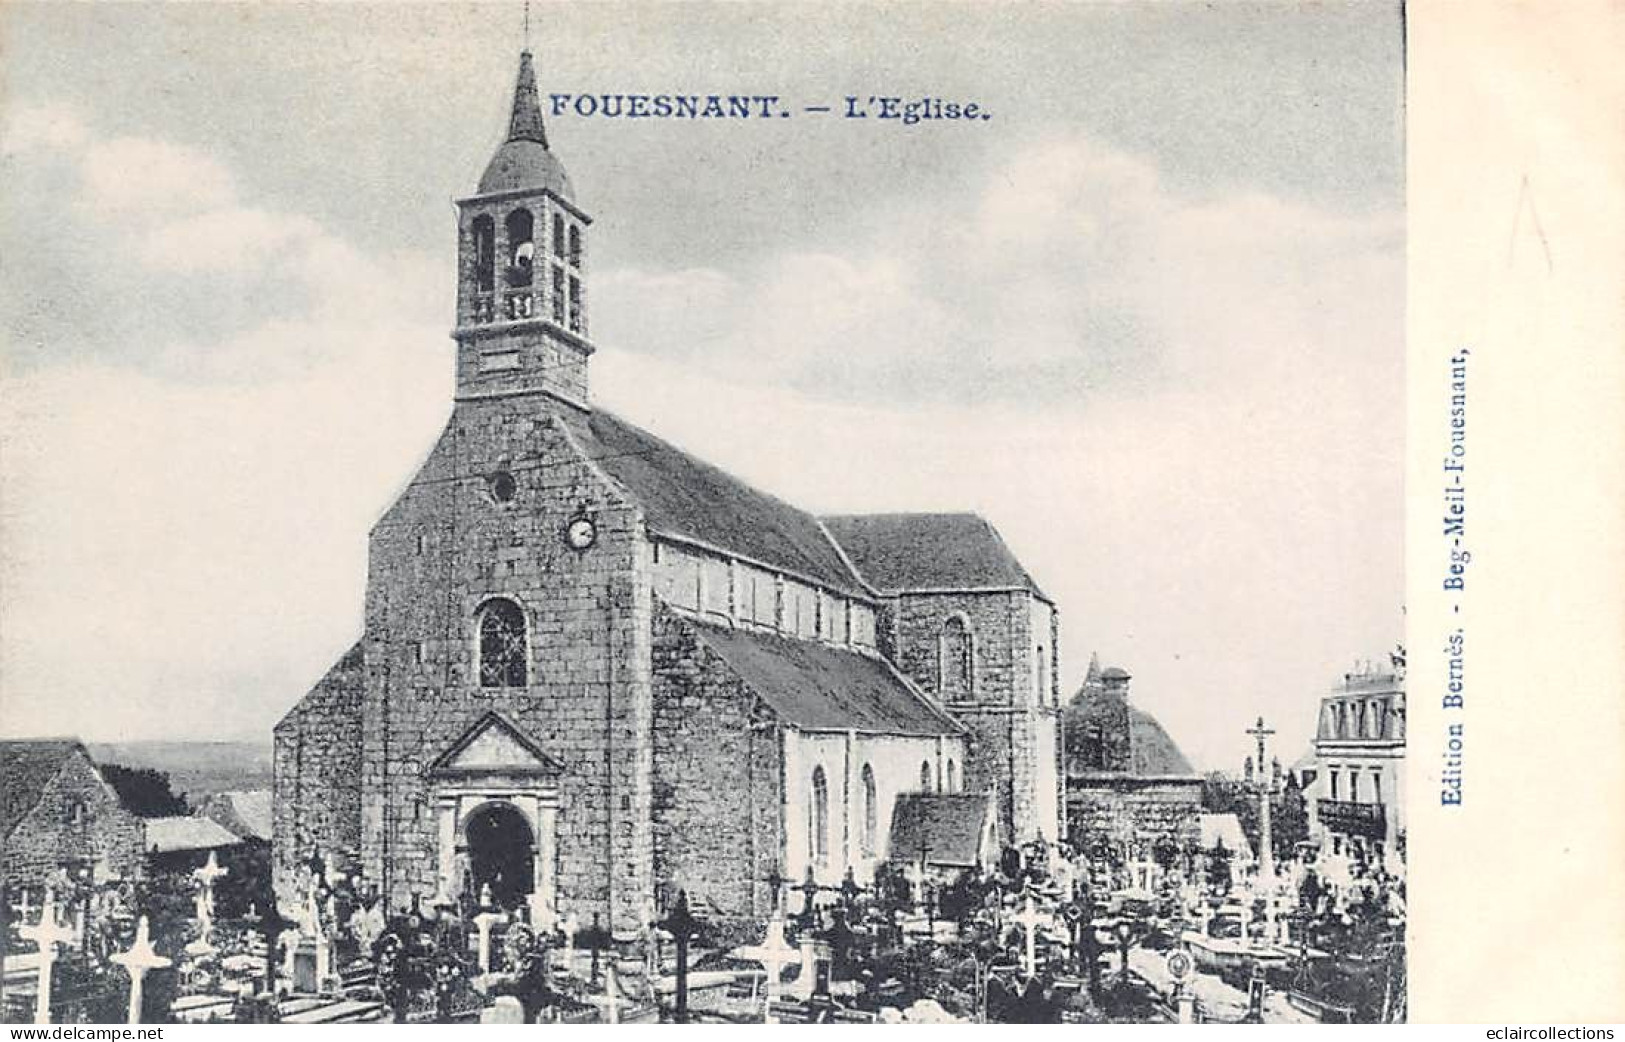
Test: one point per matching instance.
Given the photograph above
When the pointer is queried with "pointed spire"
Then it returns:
(526, 122)
(1093, 676)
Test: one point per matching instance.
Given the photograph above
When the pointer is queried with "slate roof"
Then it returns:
(1151, 748)
(524, 161)
(26, 767)
(819, 688)
(173, 834)
(686, 497)
(928, 552)
(246, 814)
(951, 825)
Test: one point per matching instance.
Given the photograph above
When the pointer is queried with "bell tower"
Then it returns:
(522, 268)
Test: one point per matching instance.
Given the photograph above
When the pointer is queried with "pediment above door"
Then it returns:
(495, 745)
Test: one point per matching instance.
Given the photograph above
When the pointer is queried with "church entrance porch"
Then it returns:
(501, 854)
(496, 802)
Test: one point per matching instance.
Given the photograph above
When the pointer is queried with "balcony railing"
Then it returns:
(1357, 819)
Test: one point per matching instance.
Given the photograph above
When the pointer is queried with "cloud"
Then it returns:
(128, 176)
(1182, 412)
(1072, 271)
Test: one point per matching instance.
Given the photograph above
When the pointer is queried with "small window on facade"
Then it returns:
(417, 653)
(1331, 778)
(558, 235)
(575, 246)
(819, 819)
(521, 247)
(871, 812)
(77, 812)
(925, 776)
(485, 255)
(953, 781)
(1043, 674)
(1354, 786)
(1376, 788)
(502, 645)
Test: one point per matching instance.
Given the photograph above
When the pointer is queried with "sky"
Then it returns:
(1147, 319)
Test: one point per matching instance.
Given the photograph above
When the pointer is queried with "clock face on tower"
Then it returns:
(581, 533)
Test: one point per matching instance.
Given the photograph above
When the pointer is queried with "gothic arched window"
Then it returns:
(925, 776)
(521, 247)
(502, 645)
(871, 812)
(819, 819)
(485, 255)
(954, 660)
(953, 782)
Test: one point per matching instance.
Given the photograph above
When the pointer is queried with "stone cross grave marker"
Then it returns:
(774, 954)
(138, 960)
(47, 933)
(1029, 920)
(206, 878)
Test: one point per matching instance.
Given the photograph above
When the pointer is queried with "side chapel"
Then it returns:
(595, 668)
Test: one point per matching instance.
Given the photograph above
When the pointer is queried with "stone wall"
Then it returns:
(718, 778)
(1127, 810)
(447, 546)
(316, 775)
(1014, 747)
(103, 834)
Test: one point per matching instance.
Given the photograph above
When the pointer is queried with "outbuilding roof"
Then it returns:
(816, 687)
(246, 813)
(173, 834)
(951, 827)
(900, 552)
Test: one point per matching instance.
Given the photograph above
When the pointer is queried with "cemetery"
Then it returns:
(1048, 934)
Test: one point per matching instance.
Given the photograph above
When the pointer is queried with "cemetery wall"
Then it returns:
(1129, 810)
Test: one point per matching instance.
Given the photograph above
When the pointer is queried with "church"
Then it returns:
(594, 669)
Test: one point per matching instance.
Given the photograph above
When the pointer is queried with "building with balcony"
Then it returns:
(1356, 790)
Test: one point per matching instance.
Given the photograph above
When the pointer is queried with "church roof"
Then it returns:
(950, 826)
(820, 688)
(27, 765)
(685, 497)
(524, 161)
(896, 552)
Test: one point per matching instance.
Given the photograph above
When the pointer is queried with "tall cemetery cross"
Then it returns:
(1029, 920)
(47, 934)
(775, 884)
(1266, 852)
(138, 960)
(774, 954)
(206, 878)
(681, 924)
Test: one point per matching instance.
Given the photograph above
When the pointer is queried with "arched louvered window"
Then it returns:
(503, 644)
(485, 256)
(521, 227)
(819, 818)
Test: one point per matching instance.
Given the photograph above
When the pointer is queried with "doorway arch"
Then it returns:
(501, 853)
